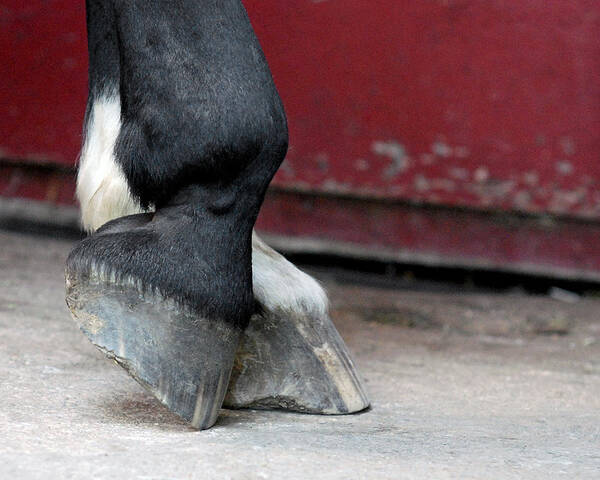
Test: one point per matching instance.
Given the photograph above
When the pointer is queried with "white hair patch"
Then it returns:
(102, 188)
(280, 286)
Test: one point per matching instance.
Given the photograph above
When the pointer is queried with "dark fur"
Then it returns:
(103, 49)
(197, 97)
(203, 132)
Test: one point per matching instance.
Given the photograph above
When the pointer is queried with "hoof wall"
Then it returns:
(297, 363)
(185, 361)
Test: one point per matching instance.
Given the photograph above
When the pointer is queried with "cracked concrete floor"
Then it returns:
(463, 385)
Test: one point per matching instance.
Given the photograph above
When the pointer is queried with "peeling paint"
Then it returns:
(361, 165)
(441, 149)
(531, 178)
(481, 175)
(337, 187)
(492, 190)
(567, 144)
(564, 167)
(522, 200)
(287, 168)
(563, 200)
(396, 152)
(421, 183)
(459, 173)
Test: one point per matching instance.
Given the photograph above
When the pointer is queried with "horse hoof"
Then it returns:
(295, 362)
(182, 357)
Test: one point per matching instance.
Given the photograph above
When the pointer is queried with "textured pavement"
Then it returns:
(463, 385)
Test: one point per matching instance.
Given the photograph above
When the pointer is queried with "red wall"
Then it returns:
(487, 105)
(480, 103)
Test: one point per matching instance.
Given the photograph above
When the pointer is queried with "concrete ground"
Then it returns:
(463, 385)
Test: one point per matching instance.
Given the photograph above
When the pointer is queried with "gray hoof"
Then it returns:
(295, 362)
(185, 361)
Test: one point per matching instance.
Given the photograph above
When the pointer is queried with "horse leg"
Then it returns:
(304, 365)
(202, 131)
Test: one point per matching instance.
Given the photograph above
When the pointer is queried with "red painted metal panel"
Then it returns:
(481, 103)
(484, 104)
(433, 236)
(43, 84)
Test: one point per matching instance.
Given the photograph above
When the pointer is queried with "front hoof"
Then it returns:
(183, 357)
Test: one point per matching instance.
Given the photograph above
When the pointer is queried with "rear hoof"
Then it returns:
(295, 362)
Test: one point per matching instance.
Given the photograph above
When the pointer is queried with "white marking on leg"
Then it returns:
(280, 285)
(102, 188)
